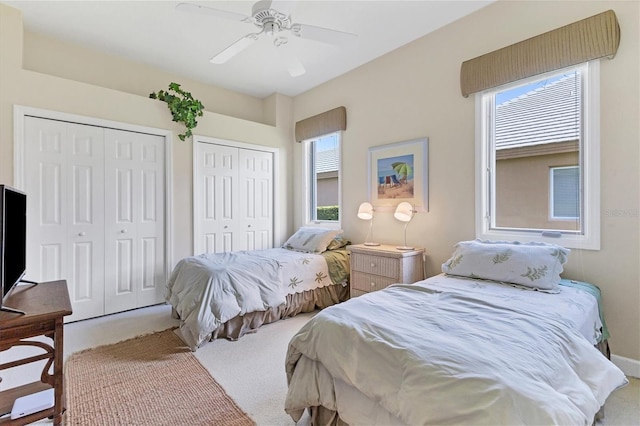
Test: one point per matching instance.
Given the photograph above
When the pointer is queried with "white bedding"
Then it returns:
(209, 289)
(452, 351)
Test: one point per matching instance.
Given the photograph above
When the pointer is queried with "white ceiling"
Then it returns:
(155, 33)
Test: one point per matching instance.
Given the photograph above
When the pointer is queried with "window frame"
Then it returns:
(589, 236)
(309, 186)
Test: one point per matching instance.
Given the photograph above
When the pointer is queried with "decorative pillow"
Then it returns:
(533, 265)
(310, 239)
(337, 243)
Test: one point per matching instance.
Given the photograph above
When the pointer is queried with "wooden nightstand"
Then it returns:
(376, 267)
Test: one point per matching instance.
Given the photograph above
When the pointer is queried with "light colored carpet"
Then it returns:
(151, 379)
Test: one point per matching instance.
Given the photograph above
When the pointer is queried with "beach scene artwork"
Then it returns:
(395, 177)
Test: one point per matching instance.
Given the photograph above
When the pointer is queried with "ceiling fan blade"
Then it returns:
(204, 10)
(234, 49)
(293, 64)
(324, 35)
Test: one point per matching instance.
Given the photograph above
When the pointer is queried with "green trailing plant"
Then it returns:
(184, 108)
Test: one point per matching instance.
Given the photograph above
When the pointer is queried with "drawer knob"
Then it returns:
(373, 265)
(373, 284)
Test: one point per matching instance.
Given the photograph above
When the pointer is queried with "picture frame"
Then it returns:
(399, 172)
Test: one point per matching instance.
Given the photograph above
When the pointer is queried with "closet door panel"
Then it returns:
(215, 204)
(135, 258)
(150, 221)
(86, 219)
(65, 225)
(256, 198)
(121, 187)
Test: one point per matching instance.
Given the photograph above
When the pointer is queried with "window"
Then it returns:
(323, 189)
(537, 170)
(565, 193)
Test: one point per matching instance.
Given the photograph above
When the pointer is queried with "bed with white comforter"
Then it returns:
(209, 290)
(452, 350)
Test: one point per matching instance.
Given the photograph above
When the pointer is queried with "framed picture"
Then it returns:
(399, 172)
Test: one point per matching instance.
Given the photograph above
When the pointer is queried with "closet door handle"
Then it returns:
(123, 231)
(226, 226)
(81, 234)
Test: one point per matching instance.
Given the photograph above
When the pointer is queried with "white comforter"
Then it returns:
(416, 355)
(209, 289)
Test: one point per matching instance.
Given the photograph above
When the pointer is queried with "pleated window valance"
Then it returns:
(322, 124)
(585, 40)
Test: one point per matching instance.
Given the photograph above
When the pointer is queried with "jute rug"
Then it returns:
(149, 380)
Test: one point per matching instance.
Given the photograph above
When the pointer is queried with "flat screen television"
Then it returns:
(13, 241)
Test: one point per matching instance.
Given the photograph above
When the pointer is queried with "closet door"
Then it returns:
(232, 198)
(134, 220)
(216, 198)
(255, 201)
(65, 217)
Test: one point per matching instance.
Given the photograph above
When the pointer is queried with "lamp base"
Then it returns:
(372, 244)
(405, 248)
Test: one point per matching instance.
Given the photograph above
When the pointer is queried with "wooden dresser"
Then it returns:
(376, 267)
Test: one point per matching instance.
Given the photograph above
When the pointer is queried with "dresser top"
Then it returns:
(384, 250)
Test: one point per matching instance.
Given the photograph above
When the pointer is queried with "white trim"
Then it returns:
(19, 114)
(630, 367)
(243, 145)
(589, 238)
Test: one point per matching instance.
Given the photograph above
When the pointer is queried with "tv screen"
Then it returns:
(13, 237)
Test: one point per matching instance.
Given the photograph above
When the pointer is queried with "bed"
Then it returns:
(458, 349)
(226, 295)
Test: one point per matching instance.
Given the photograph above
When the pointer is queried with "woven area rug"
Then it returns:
(149, 380)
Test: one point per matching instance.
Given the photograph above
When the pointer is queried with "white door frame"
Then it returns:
(20, 112)
(236, 144)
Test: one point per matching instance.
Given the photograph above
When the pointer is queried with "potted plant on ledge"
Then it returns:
(184, 108)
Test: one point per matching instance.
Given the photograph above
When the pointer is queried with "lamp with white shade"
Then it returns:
(365, 212)
(404, 213)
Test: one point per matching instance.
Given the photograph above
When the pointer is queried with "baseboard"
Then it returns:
(630, 367)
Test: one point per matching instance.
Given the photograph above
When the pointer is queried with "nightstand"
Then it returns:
(376, 267)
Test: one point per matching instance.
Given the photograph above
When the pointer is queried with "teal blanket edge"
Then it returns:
(595, 291)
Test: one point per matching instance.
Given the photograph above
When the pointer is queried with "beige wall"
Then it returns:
(415, 91)
(120, 93)
(522, 191)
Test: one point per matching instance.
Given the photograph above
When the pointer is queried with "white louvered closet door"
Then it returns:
(65, 218)
(134, 220)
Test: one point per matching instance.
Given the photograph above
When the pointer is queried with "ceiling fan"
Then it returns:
(274, 24)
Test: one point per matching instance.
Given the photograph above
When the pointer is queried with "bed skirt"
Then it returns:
(297, 303)
(322, 416)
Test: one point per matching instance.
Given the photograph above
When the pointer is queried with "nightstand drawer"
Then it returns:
(368, 282)
(378, 265)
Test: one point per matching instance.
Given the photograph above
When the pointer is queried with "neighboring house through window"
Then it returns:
(323, 179)
(538, 162)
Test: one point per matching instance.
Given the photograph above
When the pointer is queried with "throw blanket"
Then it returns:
(210, 289)
(424, 356)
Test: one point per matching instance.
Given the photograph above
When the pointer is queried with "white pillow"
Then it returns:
(533, 265)
(311, 239)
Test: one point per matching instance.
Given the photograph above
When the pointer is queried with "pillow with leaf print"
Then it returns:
(311, 239)
(533, 265)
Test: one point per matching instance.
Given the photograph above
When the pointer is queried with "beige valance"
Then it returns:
(585, 40)
(322, 124)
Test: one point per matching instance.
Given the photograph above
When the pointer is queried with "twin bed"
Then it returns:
(475, 348)
(498, 338)
(226, 295)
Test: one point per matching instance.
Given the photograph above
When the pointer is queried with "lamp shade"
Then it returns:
(404, 212)
(365, 211)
